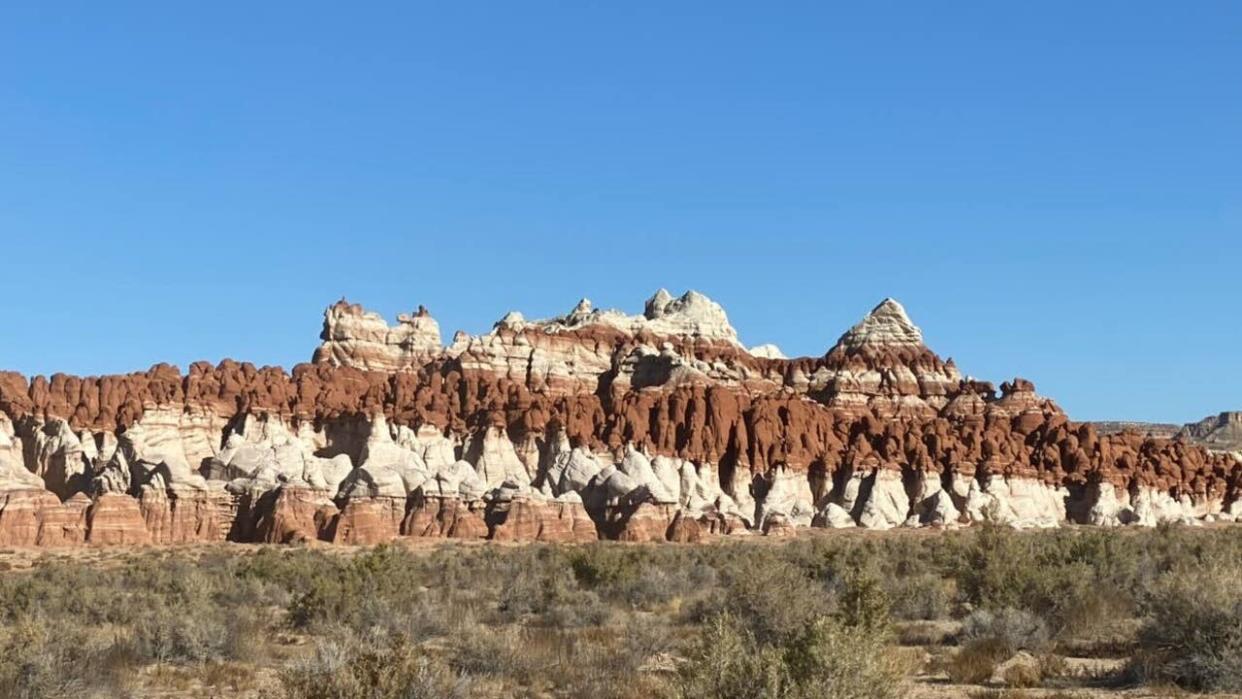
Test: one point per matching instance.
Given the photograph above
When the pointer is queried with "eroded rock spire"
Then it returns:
(887, 325)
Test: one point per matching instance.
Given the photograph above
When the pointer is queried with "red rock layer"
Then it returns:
(527, 520)
(115, 520)
(36, 518)
(878, 399)
(366, 522)
(444, 517)
(1016, 434)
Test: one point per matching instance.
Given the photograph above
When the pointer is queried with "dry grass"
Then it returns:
(734, 618)
(975, 662)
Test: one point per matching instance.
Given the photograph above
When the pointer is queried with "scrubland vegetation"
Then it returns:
(981, 613)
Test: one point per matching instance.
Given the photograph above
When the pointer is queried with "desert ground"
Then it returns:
(986, 612)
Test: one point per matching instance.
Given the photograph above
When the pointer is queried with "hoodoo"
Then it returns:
(595, 424)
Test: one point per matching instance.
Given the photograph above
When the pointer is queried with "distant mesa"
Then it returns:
(1221, 432)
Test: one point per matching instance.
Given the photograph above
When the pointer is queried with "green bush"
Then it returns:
(825, 660)
(46, 658)
(774, 599)
(1012, 629)
(922, 597)
(370, 590)
(862, 602)
(1193, 632)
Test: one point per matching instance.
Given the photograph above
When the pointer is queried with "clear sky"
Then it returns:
(1053, 189)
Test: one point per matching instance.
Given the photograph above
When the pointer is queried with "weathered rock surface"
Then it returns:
(653, 427)
(1222, 432)
(356, 337)
(534, 518)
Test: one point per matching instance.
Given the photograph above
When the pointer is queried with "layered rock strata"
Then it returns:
(596, 424)
(1222, 432)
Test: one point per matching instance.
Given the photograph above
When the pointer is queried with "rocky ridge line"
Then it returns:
(595, 424)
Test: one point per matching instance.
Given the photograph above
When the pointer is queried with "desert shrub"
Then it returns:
(1070, 576)
(550, 592)
(1012, 629)
(577, 610)
(534, 591)
(921, 597)
(773, 598)
(44, 658)
(924, 633)
(655, 585)
(189, 634)
(233, 676)
(489, 652)
(1192, 635)
(842, 662)
(862, 602)
(602, 564)
(1094, 613)
(609, 620)
(366, 592)
(825, 659)
(989, 638)
(252, 592)
(727, 661)
(1003, 568)
(351, 670)
(643, 638)
(285, 568)
(975, 661)
(642, 577)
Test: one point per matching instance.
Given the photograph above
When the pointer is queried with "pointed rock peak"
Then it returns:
(887, 325)
(582, 313)
(891, 309)
(657, 303)
(512, 319)
(692, 314)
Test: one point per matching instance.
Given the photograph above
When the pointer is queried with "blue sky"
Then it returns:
(1053, 190)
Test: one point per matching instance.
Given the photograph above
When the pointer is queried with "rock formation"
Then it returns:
(594, 424)
(1222, 432)
(355, 337)
(1219, 433)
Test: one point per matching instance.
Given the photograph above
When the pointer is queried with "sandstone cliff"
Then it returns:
(592, 424)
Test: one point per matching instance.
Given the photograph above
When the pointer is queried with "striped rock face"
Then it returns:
(597, 423)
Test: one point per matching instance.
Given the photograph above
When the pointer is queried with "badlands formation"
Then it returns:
(596, 424)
